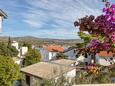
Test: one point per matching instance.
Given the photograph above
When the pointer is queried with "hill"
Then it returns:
(41, 41)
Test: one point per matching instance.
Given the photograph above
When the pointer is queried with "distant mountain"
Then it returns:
(41, 41)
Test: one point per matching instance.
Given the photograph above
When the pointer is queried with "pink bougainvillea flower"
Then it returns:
(113, 37)
(102, 26)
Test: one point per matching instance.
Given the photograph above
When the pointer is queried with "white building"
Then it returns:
(37, 73)
(50, 52)
(70, 53)
(18, 60)
(23, 51)
(87, 59)
(15, 44)
(102, 58)
(106, 58)
(3, 15)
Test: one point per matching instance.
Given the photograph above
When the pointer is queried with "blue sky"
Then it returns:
(46, 18)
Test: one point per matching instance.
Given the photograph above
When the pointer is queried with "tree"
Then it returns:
(3, 49)
(12, 51)
(85, 37)
(9, 41)
(61, 56)
(9, 71)
(8, 50)
(100, 29)
(31, 57)
(27, 45)
(80, 45)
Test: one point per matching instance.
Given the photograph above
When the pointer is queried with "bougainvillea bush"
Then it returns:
(99, 35)
(101, 29)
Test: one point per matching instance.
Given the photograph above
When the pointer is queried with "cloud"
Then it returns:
(33, 24)
(57, 17)
(59, 12)
(51, 18)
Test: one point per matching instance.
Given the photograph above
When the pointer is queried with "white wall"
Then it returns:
(105, 61)
(81, 58)
(1, 20)
(52, 55)
(18, 61)
(46, 55)
(23, 50)
(15, 44)
(71, 73)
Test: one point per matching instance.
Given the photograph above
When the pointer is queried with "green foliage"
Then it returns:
(3, 49)
(9, 71)
(9, 41)
(81, 64)
(61, 81)
(31, 57)
(85, 37)
(112, 71)
(80, 45)
(8, 50)
(102, 77)
(27, 45)
(12, 51)
(61, 56)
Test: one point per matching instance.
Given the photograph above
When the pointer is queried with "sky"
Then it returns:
(46, 18)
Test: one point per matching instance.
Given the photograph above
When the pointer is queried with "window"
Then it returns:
(28, 80)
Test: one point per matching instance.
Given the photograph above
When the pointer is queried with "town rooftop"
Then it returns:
(47, 70)
(64, 62)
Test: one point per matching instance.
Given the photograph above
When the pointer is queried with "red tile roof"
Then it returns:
(55, 48)
(105, 54)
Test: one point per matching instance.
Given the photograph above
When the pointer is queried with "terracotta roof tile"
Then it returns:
(55, 48)
(105, 54)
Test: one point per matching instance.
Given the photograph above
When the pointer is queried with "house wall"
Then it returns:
(1, 20)
(38, 81)
(22, 51)
(52, 54)
(71, 54)
(71, 73)
(44, 54)
(81, 58)
(15, 44)
(35, 81)
(105, 61)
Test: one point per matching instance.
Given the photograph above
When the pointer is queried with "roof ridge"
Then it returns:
(59, 64)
